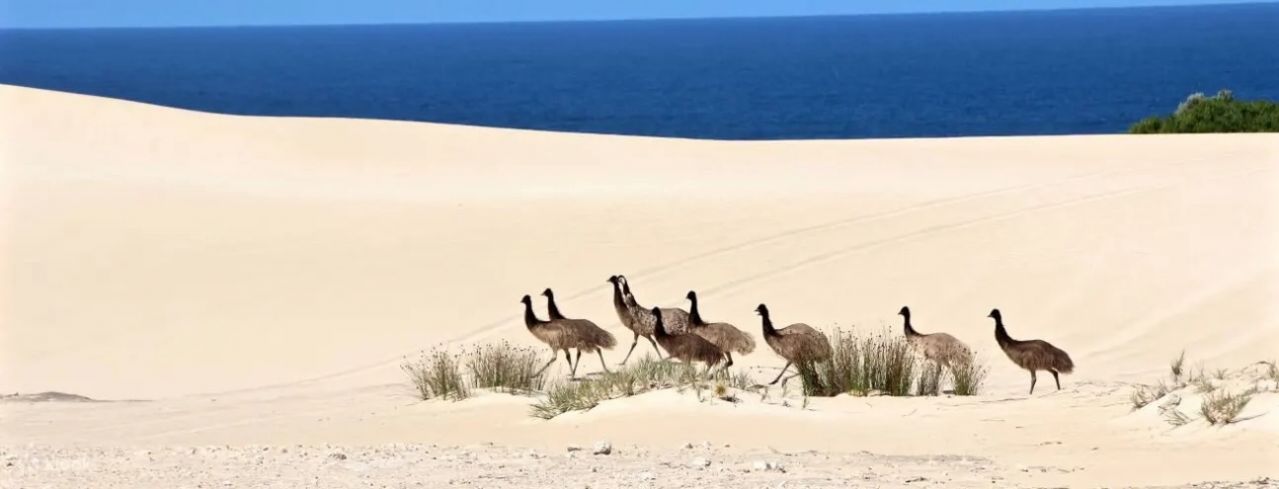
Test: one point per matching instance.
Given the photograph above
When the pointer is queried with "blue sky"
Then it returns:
(118, 13)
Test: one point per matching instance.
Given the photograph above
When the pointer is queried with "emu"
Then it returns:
(724, 336)
(624, 313)
(938, 347)
(1032, 355)
(685, 347)
(581, 333)
(798, 343)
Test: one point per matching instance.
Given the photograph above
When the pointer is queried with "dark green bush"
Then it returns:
(1219, 113)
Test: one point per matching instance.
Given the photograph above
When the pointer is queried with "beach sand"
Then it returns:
(240, 286)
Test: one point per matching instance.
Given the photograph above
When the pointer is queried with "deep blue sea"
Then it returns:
(1055, 72)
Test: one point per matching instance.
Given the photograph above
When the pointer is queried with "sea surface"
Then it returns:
(961, 74)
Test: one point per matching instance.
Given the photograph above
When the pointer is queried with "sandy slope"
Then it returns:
(288, 264)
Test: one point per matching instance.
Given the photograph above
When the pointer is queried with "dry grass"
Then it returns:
(929, 382)
(505, 368)
(884, 363)
(1222, 407)
(969, 374)
(437, 375)
(1143, 395)
(645, 375)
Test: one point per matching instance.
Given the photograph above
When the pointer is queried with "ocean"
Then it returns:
(925, 75)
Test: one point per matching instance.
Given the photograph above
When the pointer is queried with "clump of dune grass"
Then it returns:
(968, 374)
(1176, 367)
(929, 382)
(505, 368)
(884, 363)
(1222, 407)
(643, 376)
(436, 375)
(1143, 395)
(1170, 412)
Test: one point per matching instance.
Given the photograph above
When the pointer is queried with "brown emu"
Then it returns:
(628, 320)
(798, 343)
(1032, 355)
(938, 347)
(553, 335)
(724, 336)
(688, 348)
(583, 334)
(675, 319)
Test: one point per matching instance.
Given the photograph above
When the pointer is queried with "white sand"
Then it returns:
(259, 279)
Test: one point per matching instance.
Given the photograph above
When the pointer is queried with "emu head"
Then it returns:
(994, 314)
(904, 312)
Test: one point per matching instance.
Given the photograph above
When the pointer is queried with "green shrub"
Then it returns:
(436, 375)
(1219, 113)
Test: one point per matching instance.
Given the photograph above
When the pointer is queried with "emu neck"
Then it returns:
(694, 316)
(551, 309)
(910, 330)
(629, 297)
(769, 330)
(530, 319)
(1001, 334)
(619, 302)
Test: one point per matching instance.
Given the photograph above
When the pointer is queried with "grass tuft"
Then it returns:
(929, 383)
(1143, 395)
(1222, 407)
(436, 375)
(645, 375)
(1176, 367)
(505, 368)
(884, 363)
(969, 374)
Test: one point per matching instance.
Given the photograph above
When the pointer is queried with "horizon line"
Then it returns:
(650, 19)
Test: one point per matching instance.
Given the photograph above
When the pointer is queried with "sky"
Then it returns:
(159, 13)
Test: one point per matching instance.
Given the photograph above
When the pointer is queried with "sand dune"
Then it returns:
(261, 278)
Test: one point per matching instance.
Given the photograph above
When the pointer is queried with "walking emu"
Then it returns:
(724, 336)
(798, 343)
(938, 347)
(1032, 355)
(640, 328)
(685, 347)
(675, 319)
(552, 335)
(580, 333)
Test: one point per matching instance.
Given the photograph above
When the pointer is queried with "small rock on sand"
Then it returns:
(603, 448)
(337, 456)
(699, 462)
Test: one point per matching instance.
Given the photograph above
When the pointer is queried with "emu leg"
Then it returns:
(779, 374)
(1055, 379)
(632, 350)
(659, 352)
(568, 359)
(729, 356)
(573, 373)
(601, 353)
(1032, 381)
(554, 355)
